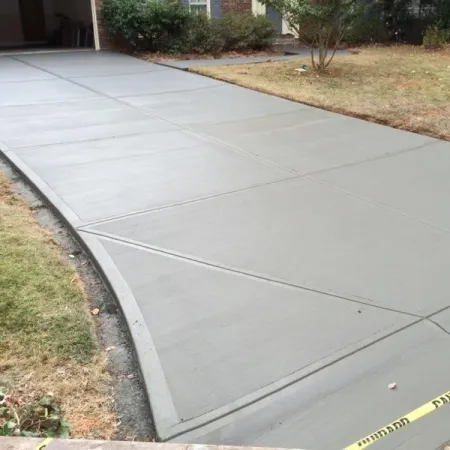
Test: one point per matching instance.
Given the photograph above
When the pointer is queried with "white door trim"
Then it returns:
(258, 8)
(95, 25)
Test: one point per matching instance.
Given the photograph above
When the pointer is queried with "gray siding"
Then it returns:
(216, 9)
(275, 17)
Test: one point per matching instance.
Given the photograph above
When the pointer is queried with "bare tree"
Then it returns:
(319, 24)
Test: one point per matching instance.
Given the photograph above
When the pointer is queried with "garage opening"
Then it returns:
(53, 24)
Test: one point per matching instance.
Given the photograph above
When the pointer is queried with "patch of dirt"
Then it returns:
(99, 399)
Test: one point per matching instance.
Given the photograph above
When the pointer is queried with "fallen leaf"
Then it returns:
(108, 349)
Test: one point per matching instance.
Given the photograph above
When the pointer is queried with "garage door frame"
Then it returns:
(95, 25)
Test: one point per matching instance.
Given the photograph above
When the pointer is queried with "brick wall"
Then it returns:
(236, 6)
(105, 41)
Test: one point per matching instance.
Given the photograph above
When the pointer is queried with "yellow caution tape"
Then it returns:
(418, 413)
(42, 445)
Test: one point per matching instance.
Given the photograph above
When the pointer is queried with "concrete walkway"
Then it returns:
(278, 265)
(188, 63)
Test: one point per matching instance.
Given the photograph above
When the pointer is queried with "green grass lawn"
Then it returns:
(405, 87)
(47, 339)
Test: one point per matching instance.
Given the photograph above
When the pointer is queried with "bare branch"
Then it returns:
(313, 63)
(338, 41)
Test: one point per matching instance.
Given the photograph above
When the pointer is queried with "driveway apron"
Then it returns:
(278, 265)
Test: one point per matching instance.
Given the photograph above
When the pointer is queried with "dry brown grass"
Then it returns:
(404, 87)
(47, 342)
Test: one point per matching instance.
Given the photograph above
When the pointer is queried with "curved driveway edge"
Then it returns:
(151, 373)
(278, 265)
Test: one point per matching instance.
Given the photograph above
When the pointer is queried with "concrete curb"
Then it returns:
(18, 443)
(160, 399)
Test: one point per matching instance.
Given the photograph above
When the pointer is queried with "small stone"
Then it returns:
(392, 386)
(112, 347)
(95, 312)
(131, 376)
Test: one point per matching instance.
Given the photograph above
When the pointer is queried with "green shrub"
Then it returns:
(367, 30)
(169, 27)
(262, 34)
(244, 31)
(123, 17)
(203, 35)
(146, 25)
(234, 31)
(435, 36)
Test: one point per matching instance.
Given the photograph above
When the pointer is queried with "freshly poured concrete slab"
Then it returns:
(223, 103)
(443, 319)
(41, 91)
(85, 64)
(115, 148)
(147, 83)
(304, 233)
(221, 336)
(416, 183)
(12, 70)
(350, 399)
(75, 121)
(51, 111)
(114, 187)
(222, 279)
(310, 139)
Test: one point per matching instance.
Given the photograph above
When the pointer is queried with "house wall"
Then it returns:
(104, 42)
(10, 23)
(258, 8)
(236, 6)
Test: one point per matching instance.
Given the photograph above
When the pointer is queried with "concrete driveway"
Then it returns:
(278, 265)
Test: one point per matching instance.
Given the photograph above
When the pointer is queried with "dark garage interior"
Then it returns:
(46, 24)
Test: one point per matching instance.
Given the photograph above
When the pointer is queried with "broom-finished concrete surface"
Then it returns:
(278, 265)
